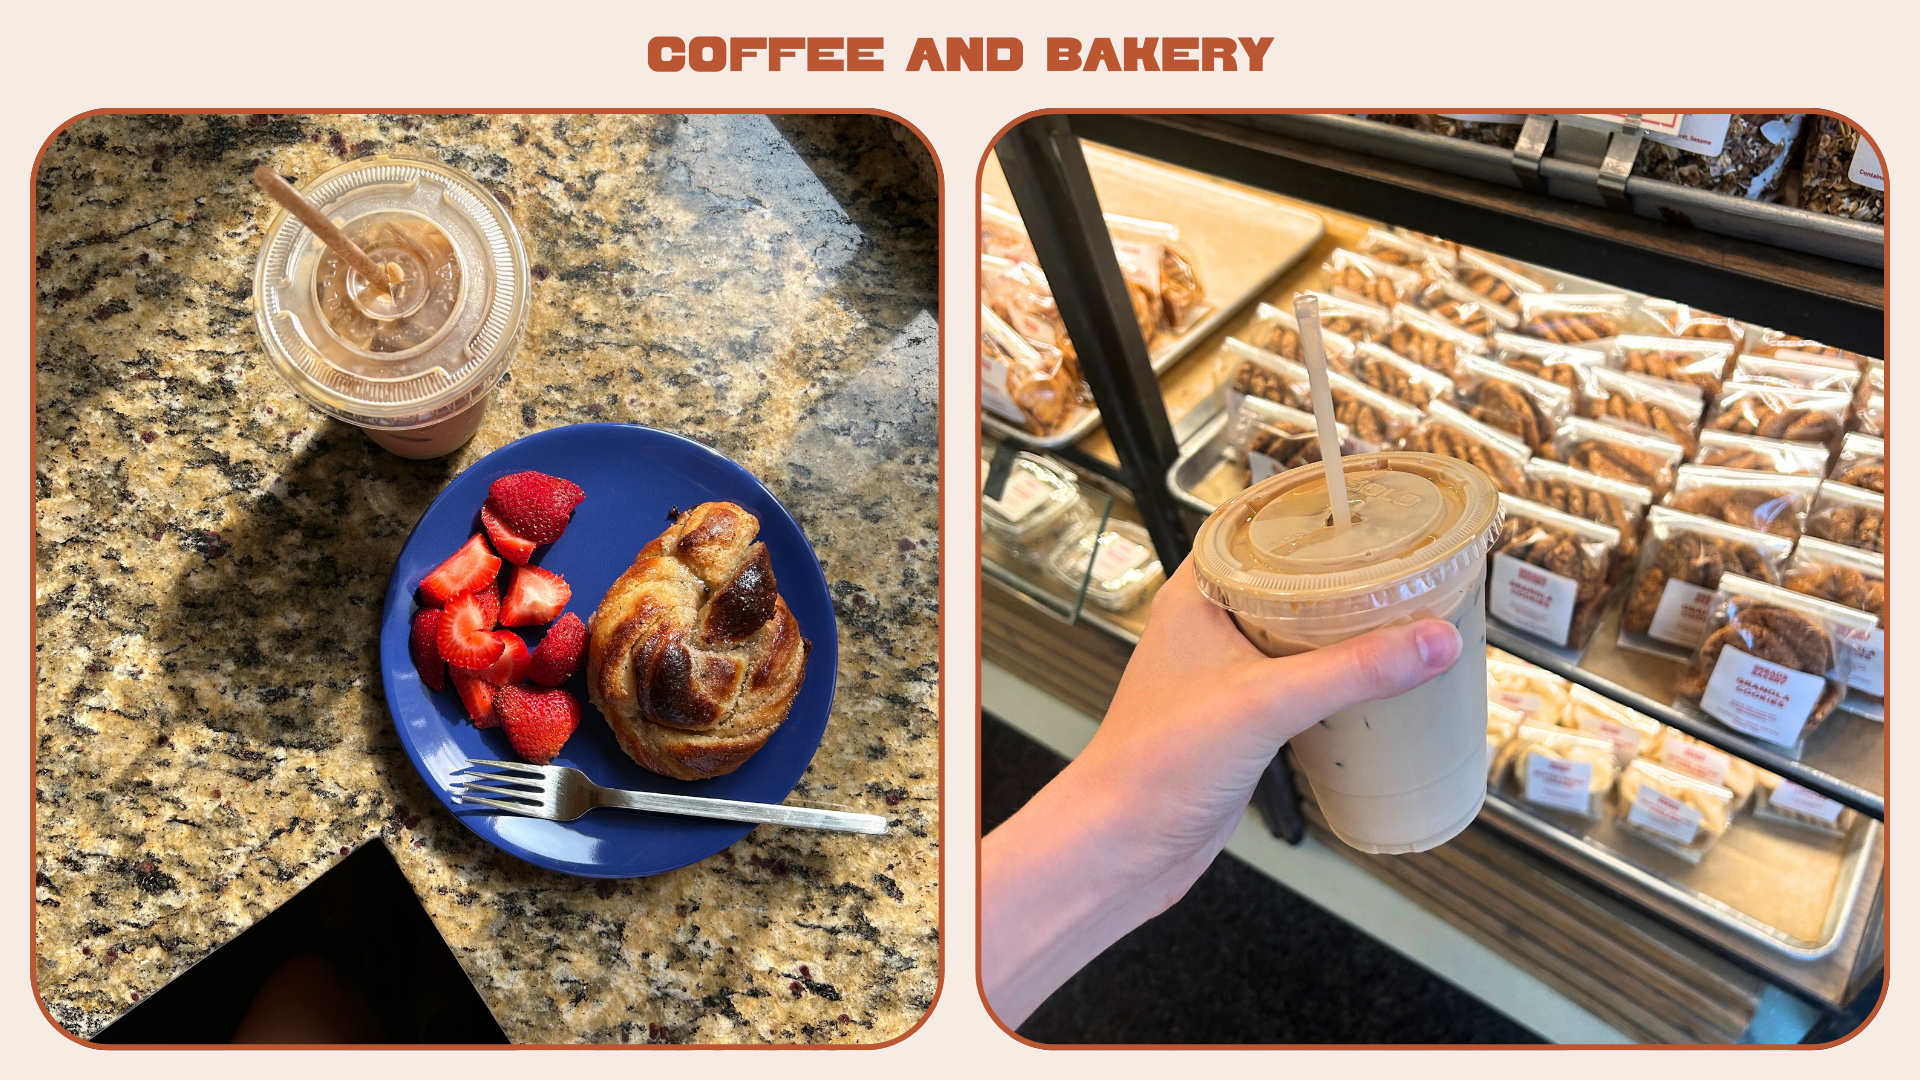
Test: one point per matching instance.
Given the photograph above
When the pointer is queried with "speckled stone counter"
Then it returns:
(212, 558)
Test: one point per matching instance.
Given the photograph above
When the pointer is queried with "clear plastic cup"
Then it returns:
(413, 364)
(1407, 773)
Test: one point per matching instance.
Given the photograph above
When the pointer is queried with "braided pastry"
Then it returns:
(692, 656)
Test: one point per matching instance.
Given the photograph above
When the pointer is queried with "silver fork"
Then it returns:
(557, 793)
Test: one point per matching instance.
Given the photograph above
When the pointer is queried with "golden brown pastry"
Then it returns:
(1771, 633)
(1696, 558)
(692, 656)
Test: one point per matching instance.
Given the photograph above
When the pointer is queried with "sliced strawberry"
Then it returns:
(512, 665)
(489, 598)
(512, 547)
(470, 569)
(464, 637)
(477, 695)
(422, 642)
(534, 505)
(538, 722)
(558, 655)
(536, 597)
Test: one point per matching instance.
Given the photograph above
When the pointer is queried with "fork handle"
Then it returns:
(799, 817)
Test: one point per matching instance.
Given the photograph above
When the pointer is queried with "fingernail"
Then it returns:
(1438, 641)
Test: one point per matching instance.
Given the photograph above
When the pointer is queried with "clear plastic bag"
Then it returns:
(1682, 559)
(1496, 279)
(1563, 364)
(1273, 438)
(1778, 412)
(1673, 811)
(1003, 234)
(1681, 321)
(1782, 800)
(1502, 722)
(1362, 277)
(1862, 463)
(1849, 515)
(1451, 433)
(1676, 750)
(1018, 382)
(1858, 580)
(1407, 251)
(1573, 318)
(1618, 505)
(1558, 769)
(1038, 503)
(1700, 363)
(1445, 252)
(1430, 342)
(1446, 298)
(1398, 377)
(1540, 696)
(1375, 420)
(1773, 665)
(1764, 501)
(1668, 409)
(1277, 330)
(1870, 402)
(1754, 454)
(1798, 371)
(1176, 285)
(1599, 716)
(1764, 342)
(1020, 295)
(1140, 269)
(1519, 404)
(1549, 572)
(1618, 453)
(1117, 564)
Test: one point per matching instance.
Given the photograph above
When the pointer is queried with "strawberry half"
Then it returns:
(477, 695)
(536, 597)
(538, 722)
(423, 644)
(512, 665)
(465, 639)
(512, 547)
(470, 569)
(533, 505)
(558, 655)
(489, 598)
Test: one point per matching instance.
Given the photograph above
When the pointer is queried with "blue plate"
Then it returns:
(633, 477)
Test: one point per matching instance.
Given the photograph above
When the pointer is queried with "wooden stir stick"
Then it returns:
(380, 277)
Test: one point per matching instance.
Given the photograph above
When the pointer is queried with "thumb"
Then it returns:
(1379, 664)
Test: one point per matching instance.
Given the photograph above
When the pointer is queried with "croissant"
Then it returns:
(692, 656)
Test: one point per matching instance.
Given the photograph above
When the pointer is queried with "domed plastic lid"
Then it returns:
(1416, 521)
(432, 344)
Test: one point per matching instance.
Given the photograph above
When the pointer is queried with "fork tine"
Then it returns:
(519, 793)
(511, 766)
(523, 809)
(467, 776)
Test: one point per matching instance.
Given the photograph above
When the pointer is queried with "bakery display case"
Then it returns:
(1663, 338)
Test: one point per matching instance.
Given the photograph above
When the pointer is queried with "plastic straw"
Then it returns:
(1306, 309)
(329, 234)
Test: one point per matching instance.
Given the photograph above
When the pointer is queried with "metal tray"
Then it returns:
(1761, 864)
(1202, 476)
(1242, 239)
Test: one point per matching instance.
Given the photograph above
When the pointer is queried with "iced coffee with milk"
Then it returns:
(1407, 773)
(412, 357)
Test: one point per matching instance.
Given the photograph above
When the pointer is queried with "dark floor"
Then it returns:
(1242, 959)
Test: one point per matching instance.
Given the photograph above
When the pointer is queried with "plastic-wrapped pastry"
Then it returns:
(1273, 438)
(1038, 503)
(1764, 342)
(1573, 318)
(1862, 463)
(1502, 722)
(1682, 560)
(1512, 401)
(1671, 810)
(1701, 363)
(1496, 279)
(1431, 342)
(1750, 453)
(1020, 383)
(1549, 573)
(1763, 501)
(1404, 250)
(1558, 769)
(1277, 330)
(1451, 299)
(1676, 750)
(1601, 717)
(1398, 377)
(1849, 515)
(1618, 452)
(1002, 233)
(1375, 420)
(1666, 408)
(1451, 433)
(1681, 321)
(1538, 695)
(1870, 402)
(1855, 579)
(1619, 505)
(1123, 571)
(1562, 364)
(1178, 296)
(1362, 277)
(1797, 371)
(1782, 800)
(1776, 412)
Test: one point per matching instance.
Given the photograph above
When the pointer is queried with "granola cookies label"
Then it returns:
(1681, 618)
(1561, 784)
(1760, 698)
(1869, 671)
(1532, 599)
(1662, 814)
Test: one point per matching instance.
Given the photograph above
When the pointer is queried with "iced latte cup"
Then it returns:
(1408, 773)
(413, 360)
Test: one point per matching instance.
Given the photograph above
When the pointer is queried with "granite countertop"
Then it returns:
(212, 557)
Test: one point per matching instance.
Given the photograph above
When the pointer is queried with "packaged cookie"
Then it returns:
(1512, 401)
(1573, 318)
(1272, 438)
(1619, 505)
(1449, 299)
(1681, 562)
(1002, 233)
(1599, 716)
(1849, 515)
(1022, 385)
(1682, 321)
(1831, 178)
(1666, 408)
(1764, 342)
(1496, 279)
(1018, 293)
(1374, 420)
(1398, 377)
(1354, 319)
(1676, 750)
(1618, 453)
(1701, 363)
(1779, 799)
(1558, 769)
(1039, 501)
(1408, 251)
(1362, 277)
(1562, 364)
(1116, 565)
(1754, 454)
(1856, 579)
(1764, 501)
(1549, 573)
(1778, 412)
(1451, 433)
(1277, 330)
(1538, 695)
(1671, 810)
(1798, 371)
(1870, 402)
(1502, 722)
(1862, 463)
(1140, 269)
(1444, 252)
(1154, 249)
(1773, 664)
(1429, 341)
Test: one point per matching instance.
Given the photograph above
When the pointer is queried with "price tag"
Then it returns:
(1681, 618)
(1535, 600)
(1761, 698)
(1023, 494)
(1560, 784)
(1866, 170)
(1791, 796)
(993, 389)
(1663, 815)
(1868, 672)
(1116, 557)
(1695, 760)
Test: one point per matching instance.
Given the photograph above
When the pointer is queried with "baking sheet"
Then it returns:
(1242, 240)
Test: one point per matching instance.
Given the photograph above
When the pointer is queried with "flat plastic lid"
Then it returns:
(1418, 520)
